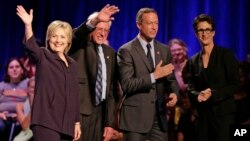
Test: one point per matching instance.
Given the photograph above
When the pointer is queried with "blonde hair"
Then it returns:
(62, 25)
(179, 42)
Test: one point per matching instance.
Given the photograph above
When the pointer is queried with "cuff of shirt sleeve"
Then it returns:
(152, 78)
(89, 25)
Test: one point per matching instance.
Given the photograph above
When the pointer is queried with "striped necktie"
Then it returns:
(98, 87)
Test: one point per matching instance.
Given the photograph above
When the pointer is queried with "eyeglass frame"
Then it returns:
(99, 29)
(202, 31)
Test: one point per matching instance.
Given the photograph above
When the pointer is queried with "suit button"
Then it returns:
(152, 102)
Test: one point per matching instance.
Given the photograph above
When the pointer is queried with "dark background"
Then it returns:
(232, 19)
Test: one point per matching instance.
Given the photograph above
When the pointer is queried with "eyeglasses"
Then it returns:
(102, 30)
(202, 31)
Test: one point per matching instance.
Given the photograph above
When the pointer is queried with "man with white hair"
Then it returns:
(96, 74)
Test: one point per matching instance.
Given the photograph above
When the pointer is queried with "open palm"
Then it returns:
(106, 13)
(26, 18)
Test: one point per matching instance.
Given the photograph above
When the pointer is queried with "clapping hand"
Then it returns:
(204, 95)
(172, 100)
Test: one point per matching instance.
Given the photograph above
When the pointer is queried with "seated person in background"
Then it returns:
(13, 90)
(242, 96)
(24, 113)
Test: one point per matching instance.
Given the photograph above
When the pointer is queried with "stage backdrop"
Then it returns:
(175, 21)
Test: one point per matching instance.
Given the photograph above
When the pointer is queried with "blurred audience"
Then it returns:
(13, 90)
(29, 65)
(242, 98)
(178, 50)
(186, 122)
(24, 113)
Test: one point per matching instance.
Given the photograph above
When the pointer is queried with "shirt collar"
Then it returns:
(143, 42)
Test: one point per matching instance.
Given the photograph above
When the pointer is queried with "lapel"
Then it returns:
(142, 55)
(200, 67)
(108, 60)
(157, 53)
(91, 60)
(210, 66)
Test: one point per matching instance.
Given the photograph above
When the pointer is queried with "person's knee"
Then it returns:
(2, 126)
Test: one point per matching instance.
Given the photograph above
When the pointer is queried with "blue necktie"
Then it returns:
(149, 56)
(98, 87)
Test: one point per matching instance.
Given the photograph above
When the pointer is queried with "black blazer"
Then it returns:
(83, 50)
(221, 75)
(141, 97)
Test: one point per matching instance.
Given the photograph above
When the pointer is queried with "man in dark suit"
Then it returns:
(213, 79)
(147, 80)
(96, 74)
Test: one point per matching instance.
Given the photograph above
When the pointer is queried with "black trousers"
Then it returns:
(210, 127)
(6, 127)
(42, 133)
(92, 126)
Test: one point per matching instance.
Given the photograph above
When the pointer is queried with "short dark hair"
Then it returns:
(143, 11)
(203, 18)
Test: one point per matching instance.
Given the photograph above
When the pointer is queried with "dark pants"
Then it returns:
(155, 134)
(92, 125)
(42, 133)
(6, 127)
(210, 127)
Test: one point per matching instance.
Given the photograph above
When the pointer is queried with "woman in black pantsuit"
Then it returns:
(213, 80)
(55, 113)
